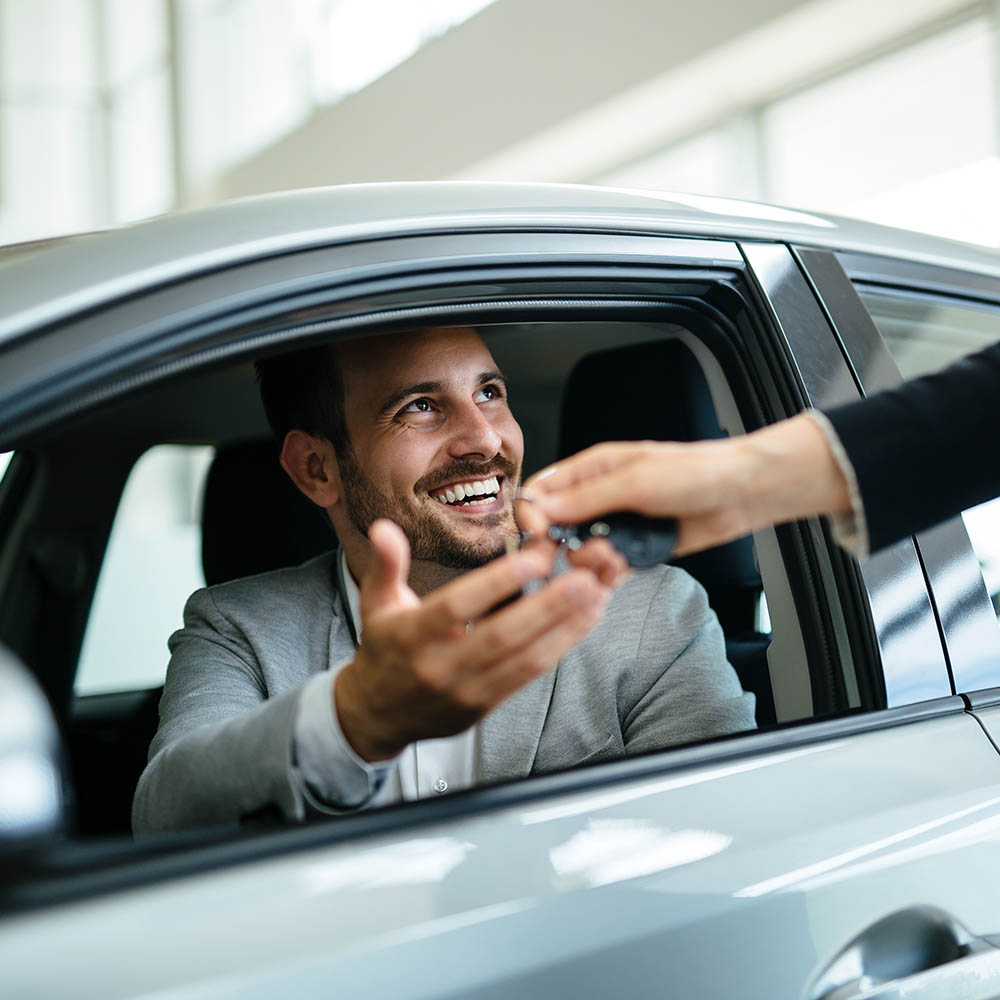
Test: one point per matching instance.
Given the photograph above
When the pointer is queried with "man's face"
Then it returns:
(434, 445)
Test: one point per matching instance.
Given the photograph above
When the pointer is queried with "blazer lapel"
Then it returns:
(509, 734)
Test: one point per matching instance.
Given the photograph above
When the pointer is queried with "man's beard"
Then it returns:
(431, 540)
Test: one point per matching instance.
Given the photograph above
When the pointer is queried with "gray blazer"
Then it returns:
(652, 674)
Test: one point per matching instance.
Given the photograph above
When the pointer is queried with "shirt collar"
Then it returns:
(351, 594)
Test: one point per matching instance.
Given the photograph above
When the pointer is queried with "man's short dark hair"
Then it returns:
(305, 391)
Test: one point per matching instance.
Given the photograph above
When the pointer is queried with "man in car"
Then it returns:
(386, 671)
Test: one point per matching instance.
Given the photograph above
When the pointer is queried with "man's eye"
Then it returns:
(418, 406)
(488, 392)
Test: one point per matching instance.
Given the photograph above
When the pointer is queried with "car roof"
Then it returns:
(46, 281)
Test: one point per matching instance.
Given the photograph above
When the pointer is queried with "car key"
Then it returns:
(643, 541)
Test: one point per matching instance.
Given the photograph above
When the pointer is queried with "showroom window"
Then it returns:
(721, 161)
(907, 139)
(85, 108)
(904, 138)
(253, 70)
(924, 333)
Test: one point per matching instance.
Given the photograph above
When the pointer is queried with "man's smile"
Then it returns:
(472, 495)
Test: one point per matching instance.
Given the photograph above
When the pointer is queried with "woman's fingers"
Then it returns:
(603, 560)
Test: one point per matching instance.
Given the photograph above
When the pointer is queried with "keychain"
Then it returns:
(643, 541)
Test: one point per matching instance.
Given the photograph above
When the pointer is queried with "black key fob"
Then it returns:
(643, 541)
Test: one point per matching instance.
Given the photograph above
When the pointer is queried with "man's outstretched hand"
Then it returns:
(432, 667)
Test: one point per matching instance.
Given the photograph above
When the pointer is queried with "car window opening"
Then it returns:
(600, 381)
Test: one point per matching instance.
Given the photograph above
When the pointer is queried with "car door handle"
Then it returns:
(920, 953)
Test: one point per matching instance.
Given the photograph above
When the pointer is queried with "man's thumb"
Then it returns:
(385, 583)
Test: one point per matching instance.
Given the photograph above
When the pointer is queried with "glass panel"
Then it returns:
(141, 176)
(244, 80)
(5, 458)
(925, 333)
(50, 178)
(137, 37)
(254, 69)
(152, 565)
(47, 47)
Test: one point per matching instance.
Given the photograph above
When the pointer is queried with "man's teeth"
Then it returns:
(465, 493)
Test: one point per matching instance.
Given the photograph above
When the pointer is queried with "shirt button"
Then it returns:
(440, 785)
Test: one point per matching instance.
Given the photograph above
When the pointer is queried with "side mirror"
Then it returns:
(32, 791)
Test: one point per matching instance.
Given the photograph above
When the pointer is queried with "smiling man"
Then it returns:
(407, 664)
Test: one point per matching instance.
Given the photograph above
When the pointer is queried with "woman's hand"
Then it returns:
(717, 490)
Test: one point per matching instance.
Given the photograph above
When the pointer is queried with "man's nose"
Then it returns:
(473, 434)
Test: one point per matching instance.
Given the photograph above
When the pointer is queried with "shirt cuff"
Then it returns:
(850, 529)
(332, 777)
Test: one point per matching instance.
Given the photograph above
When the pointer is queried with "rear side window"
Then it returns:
(152, 565)
(928, 332)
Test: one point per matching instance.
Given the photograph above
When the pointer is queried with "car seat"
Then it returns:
(658, 391)
(254, 519)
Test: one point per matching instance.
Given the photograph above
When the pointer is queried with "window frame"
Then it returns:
(913, 661)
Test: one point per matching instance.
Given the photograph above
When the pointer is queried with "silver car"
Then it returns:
(847, 848)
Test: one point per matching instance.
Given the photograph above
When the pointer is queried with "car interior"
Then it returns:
(573, 383)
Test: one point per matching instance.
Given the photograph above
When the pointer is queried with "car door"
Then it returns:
(816, 859)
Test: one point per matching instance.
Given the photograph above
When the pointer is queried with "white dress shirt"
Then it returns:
(336, 779)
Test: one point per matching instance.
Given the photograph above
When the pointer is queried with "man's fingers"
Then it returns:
(536, 657)
(576, 594)
(385, 584)
(471, 595)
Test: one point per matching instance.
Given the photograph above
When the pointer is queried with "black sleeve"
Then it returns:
(926, 450)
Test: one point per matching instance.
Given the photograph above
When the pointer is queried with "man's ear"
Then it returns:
(312, 464)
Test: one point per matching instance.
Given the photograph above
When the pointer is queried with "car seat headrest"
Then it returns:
(652, 391)
(254, 519)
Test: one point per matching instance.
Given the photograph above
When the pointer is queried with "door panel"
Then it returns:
(743, 878)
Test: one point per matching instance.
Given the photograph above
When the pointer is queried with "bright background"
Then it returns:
(114, 110)
(111, 110)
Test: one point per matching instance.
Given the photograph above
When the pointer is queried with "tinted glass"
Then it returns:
(925, 333)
